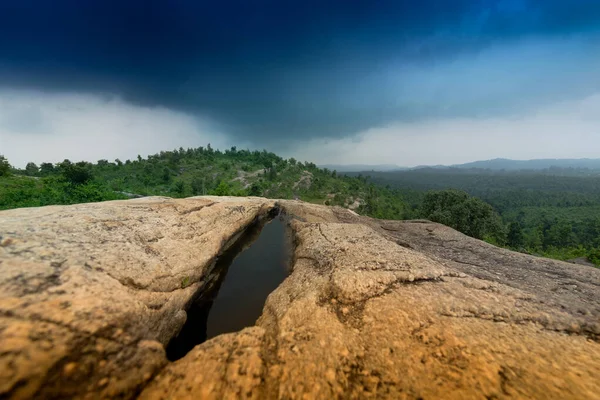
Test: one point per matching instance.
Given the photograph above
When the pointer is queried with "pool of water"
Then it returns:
(244, 276)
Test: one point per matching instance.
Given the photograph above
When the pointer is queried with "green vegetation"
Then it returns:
(4, 166)
(22, 191)
(464, 213)
(594, 256)
(185, 282)
(190, 172)
(553, 213)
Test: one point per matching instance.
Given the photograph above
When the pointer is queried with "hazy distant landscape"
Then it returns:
(548, 207)
(541, 164)
(581, 165)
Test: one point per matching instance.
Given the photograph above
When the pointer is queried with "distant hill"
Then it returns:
(363, 167)
(192, 172)
(497, 164)
(515, 165)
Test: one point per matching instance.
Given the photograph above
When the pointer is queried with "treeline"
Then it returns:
(63, 183)
(196, 171)
(488, 184)
(553, 216)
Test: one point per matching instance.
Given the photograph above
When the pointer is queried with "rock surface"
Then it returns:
(90, 295)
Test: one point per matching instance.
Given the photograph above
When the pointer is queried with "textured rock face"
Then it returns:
(90, 294)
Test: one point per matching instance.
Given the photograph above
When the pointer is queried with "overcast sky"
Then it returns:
(373, 82)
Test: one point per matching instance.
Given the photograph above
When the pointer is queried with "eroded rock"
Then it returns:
(90, 294)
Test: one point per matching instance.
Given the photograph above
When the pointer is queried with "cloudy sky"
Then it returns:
(402, 82)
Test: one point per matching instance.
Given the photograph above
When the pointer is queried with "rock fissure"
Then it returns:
(371, 309)
(196, 209)
(351, 311)
(323, 234)
(206, 301)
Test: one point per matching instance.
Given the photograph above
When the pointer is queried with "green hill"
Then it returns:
(191, 172)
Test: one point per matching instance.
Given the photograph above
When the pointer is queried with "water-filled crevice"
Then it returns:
(236, 289)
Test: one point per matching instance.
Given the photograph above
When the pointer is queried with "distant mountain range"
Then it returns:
(363, 167)
(497, 164)
(513, 165)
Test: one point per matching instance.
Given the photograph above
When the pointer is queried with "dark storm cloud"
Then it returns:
(268, 68)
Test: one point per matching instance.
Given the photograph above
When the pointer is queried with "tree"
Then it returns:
(179, 188)
(255, 190)
(535, 238)
(31, 169)
(222, 189)
(515, 237)
(46, 168)
(4, 166)
(267, 163)
(76, 174)
(558, 233)
(370, 206)
(469, 215)
(271, 173)
(198, 187)
(594, 257)
(166, 175)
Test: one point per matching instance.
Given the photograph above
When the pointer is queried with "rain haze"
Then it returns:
(371, 82)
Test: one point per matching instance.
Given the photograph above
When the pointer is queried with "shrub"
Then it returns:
(594, 257)
(469, 215)
(76, 174)
(4, 166)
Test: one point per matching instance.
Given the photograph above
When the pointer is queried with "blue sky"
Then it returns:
(403, 82)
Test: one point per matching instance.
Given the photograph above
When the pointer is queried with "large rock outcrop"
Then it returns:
(91, 294)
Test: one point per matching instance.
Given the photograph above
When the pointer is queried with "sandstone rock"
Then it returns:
(90, 294)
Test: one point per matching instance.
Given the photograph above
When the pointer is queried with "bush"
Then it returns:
(255, 190)
(46, 168)
(198, 186)
(31, 169)
(25, 192)
(179, 188)
(222, 189)
(4, 166)
(76, 174)
(466, 214)
(594, 257)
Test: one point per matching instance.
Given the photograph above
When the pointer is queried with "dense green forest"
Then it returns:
(553, 213)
